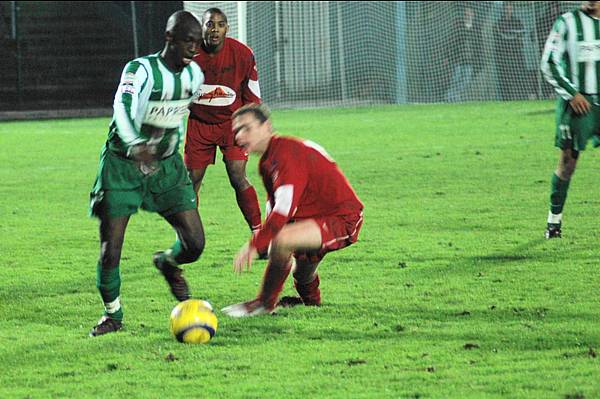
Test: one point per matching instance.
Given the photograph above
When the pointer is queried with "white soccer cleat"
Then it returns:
(246, 309)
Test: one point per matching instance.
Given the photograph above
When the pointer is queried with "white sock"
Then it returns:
(554, 219)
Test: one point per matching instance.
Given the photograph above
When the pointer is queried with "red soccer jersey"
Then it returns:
(230, 81)
(302, 181)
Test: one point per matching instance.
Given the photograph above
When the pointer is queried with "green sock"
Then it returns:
(108, 282)
(558, 194)
(172, 253)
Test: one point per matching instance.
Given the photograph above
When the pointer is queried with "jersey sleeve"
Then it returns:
(552, 66)
(133, 80)
(289, 181)
(250, 86)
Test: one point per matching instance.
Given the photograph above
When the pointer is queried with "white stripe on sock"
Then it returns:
(112, 307)
(554, 219)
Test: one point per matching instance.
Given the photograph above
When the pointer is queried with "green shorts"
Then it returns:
(574, 131)
(121, 188)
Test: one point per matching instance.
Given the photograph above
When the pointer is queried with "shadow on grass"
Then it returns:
(516, 254)
(513, 255)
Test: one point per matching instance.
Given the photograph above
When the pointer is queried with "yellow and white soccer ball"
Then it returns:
(193, 321)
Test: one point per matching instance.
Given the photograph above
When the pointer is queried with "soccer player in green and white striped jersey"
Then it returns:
(140, 166)
(571, 63)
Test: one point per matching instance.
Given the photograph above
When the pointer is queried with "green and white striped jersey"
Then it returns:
(571, 59)
(151, 104)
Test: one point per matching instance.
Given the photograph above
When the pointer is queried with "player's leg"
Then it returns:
(572, 133)
(196, 176)
(245, 193)
(235, 159)
(173, 197)
(190, 242)
(113, 207)
(188, 247)
(108, 277)
(199, 151)
(337, 232)
(306, 281)
(558, 190)
(312, 236)
(303, 235)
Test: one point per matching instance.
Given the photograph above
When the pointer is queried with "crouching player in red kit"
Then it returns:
(312, 210)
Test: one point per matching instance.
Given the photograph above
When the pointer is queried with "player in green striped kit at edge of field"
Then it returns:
(571, 63)
(140, 165)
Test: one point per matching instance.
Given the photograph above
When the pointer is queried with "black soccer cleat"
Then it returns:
(106, 325)
(290, 301)
(173, 276)
(553, 231)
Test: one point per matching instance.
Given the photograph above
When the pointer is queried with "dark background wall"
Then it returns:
(70, 54)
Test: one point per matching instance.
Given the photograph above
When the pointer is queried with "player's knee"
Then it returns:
(566, 170)
(567, 164)
(194, 248)
(280, 245)
(239, 181)
(569, 171)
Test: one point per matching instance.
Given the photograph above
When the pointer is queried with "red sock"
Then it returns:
(272, 284)
(248, 202)
(310, 293)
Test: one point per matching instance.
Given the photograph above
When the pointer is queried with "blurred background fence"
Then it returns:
(69, 55)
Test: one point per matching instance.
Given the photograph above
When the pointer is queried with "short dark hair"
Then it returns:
(181, 21)
(259, 111)
(214, 10)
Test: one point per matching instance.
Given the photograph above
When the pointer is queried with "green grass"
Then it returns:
(450, 292)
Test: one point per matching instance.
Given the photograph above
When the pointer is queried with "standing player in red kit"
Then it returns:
(230, 81)
(311, 210)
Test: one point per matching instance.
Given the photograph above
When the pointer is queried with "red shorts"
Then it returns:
(337, 232)
(201, 143)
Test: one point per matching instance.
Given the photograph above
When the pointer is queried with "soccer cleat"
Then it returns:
(290, 301)
(553, 231)
(247, 309)
(106, 325)
(173, 276)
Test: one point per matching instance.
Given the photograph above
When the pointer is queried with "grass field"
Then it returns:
(451, 290)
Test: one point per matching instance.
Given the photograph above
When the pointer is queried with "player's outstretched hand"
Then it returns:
(245, 257)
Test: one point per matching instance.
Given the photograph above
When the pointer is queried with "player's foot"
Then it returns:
(106, 325)
(290, 301)
(553, 231)
(173, 276)
(247, 309)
